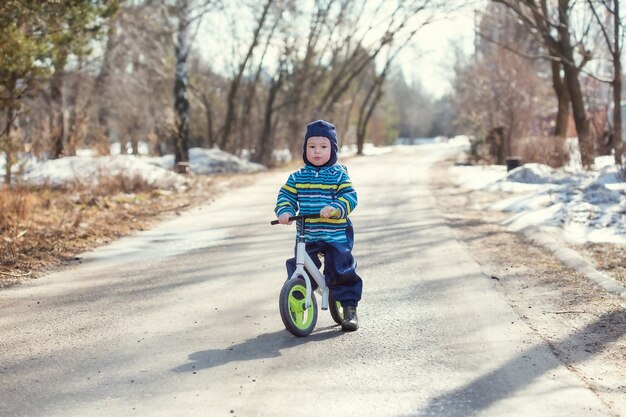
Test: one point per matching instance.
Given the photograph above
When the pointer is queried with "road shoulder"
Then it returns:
(584, 325)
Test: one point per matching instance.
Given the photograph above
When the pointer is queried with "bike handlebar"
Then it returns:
(333, 213)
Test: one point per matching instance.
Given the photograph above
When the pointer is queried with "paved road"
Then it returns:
(186, 324)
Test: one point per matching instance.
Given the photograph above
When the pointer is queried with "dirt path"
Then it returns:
(584, 326)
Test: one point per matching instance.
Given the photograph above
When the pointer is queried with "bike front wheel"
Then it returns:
(298, 320)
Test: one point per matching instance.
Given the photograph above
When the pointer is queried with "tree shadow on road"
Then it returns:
(520, 371)
(267, 345)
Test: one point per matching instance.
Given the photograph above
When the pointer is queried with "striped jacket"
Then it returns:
(309, 190)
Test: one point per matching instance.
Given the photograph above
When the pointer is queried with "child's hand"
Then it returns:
(328, 212)
(284, 218)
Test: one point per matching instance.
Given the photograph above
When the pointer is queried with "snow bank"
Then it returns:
(587, 206)
(210, 161)
(532, 174)
(88, 170)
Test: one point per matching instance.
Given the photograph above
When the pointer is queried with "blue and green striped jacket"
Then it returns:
(309, 190)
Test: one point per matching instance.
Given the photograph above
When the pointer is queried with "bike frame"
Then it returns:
(305, 267)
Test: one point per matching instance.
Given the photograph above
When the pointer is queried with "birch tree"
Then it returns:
(188, 15)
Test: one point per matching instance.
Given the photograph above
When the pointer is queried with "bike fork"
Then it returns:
(304, 263)
(300, 256)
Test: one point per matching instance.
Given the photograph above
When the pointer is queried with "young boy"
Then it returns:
(321, 187)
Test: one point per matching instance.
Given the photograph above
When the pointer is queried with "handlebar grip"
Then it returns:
(292, 218)
(333, 214)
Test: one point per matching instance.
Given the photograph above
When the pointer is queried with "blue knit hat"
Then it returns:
(324, 129)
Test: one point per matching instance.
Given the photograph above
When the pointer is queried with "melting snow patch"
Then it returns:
(210, 161)
(88, 170)
(532, 174)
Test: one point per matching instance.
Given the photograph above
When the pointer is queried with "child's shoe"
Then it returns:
(350, 320)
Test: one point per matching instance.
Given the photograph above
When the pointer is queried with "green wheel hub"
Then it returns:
(297, 318)
(300, 315)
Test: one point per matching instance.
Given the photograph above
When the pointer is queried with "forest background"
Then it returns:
(542, 84)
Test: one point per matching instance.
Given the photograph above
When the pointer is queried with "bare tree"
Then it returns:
(345, 40)
(505, 30)
(375, 92)
(101, 89)
(265, 144)
(497, 97)
(553, 26)
(307, 72)
(55, 100)
(71, 27)
(231, 113)
(78, 103)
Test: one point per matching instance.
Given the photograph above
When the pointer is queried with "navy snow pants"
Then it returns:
(339, 269)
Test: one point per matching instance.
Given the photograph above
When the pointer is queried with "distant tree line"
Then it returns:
(90, 73)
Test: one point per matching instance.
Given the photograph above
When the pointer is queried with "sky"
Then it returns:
(431, 57)
(579, 206)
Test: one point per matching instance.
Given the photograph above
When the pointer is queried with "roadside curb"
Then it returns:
(573, 259)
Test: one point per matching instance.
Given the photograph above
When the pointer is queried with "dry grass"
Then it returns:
(550, 150)
(607, 257)
(42, 228)
(15, 210)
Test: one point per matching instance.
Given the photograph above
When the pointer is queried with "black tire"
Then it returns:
(297, 320)
(336, 310)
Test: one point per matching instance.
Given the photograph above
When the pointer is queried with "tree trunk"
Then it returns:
(501, 140)
(102, 84)
(575, 90)
(580, 116)
(181, 102)
(618, 146)
(367, 109)
(8, 144)
(208, 112)
(78, 115)
(617, 88)
(264, 150)
(562, 96)
(57, 125)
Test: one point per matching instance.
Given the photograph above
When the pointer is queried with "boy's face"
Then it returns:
(318, 150)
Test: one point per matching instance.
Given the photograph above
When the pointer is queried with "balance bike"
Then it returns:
(297, 302)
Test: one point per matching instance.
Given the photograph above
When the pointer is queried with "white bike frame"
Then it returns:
(306, 268)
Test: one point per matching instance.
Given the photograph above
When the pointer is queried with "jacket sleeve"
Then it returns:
(287, 201)
(346, 197)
